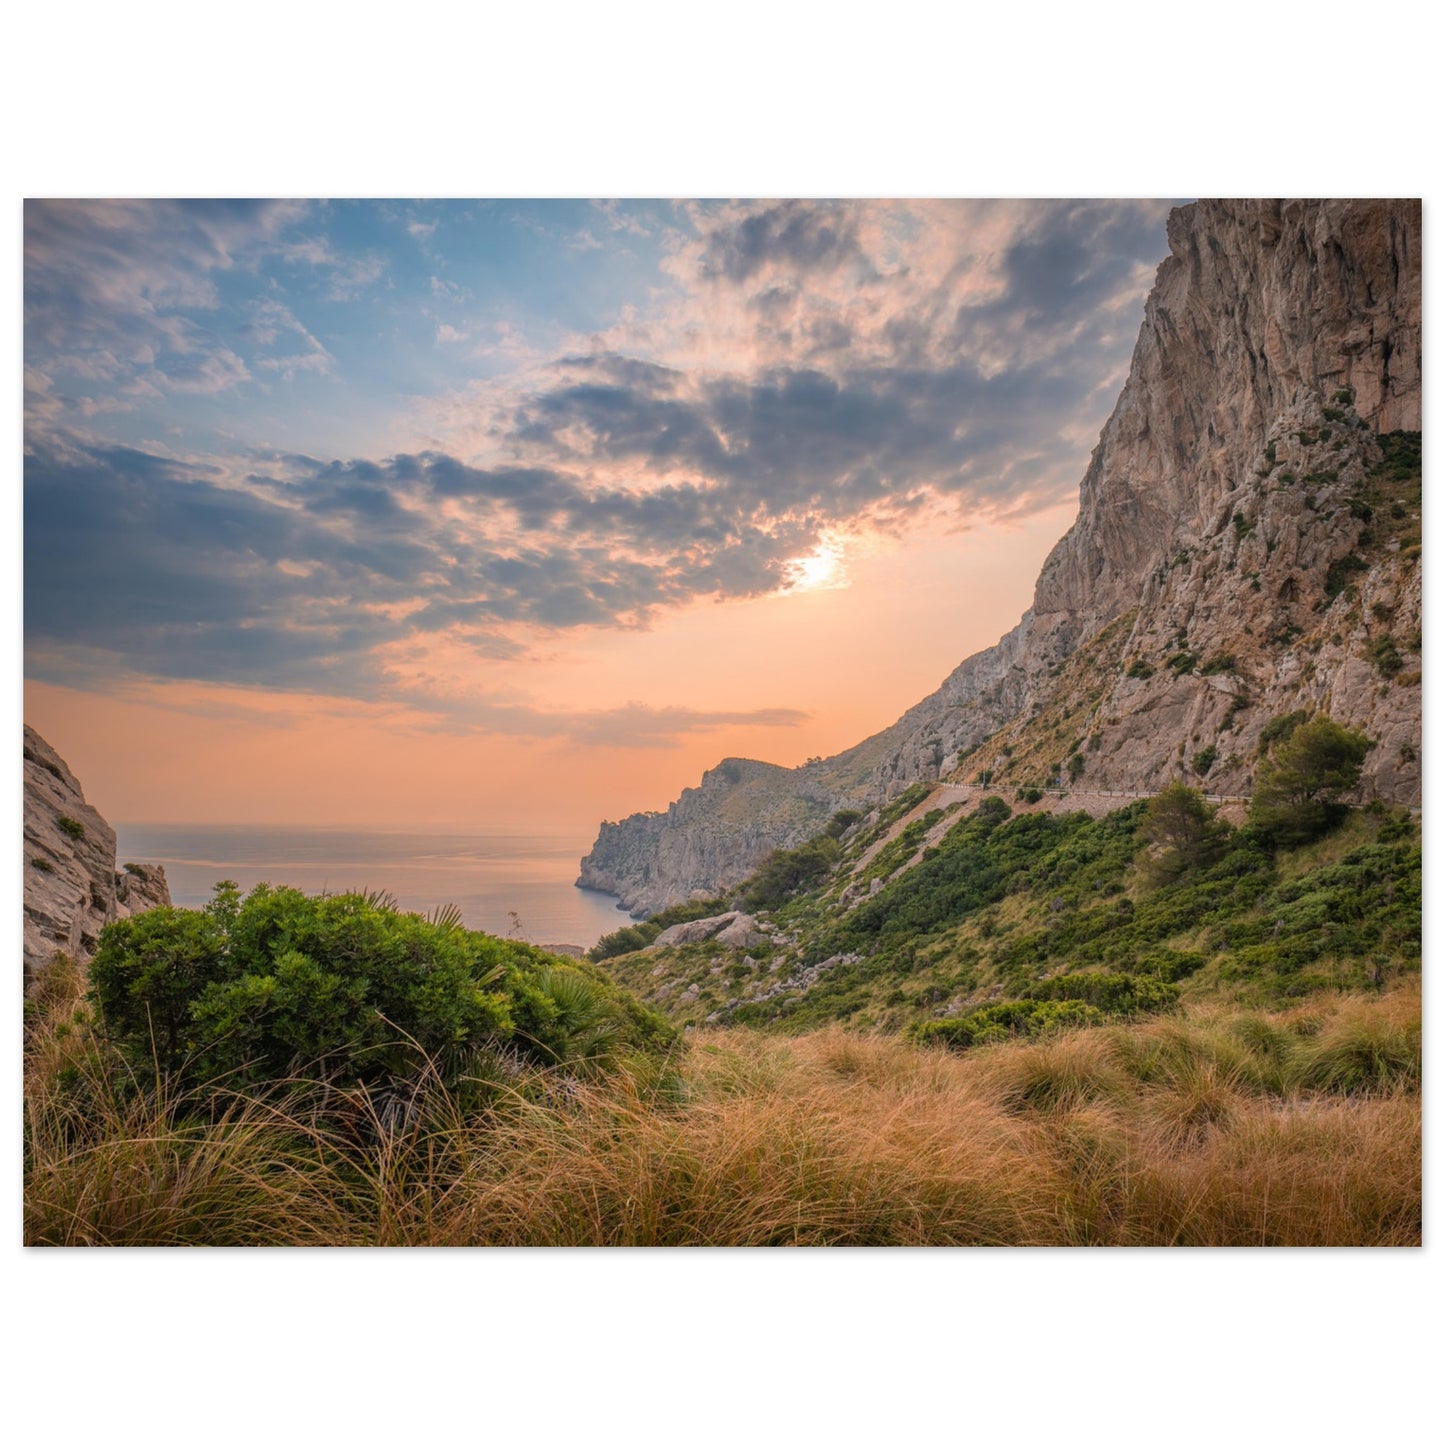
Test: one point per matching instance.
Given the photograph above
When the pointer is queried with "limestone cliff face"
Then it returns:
(712, 837)
(1226, 565)
(72, 888)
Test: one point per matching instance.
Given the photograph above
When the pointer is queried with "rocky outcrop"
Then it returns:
(712, 837)
(1225, 566)
(732, 930)
(72, 889)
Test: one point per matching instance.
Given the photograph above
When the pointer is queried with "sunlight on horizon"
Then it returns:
(823, 568)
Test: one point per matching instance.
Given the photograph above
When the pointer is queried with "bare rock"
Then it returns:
(72, 889)
(733, 930)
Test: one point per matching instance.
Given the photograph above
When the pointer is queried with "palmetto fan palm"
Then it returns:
(587, 1027)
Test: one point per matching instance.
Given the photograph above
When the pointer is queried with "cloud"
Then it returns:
(296, 574)
(129, 302)
(107, 284)
(860, 359)
(799, 237)
(636, 725)
(805, 373)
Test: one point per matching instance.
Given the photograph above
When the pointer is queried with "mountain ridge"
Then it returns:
(1229, 506)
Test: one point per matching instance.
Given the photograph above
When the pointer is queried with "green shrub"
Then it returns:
(1296, 793)
(1139, 668)
(1203, 760)
(347, 989)
(1112, 993)
(996, 1022)
(787, 870)
(43, 864)
(71, 827)
(1386, 656)
(1340, 571)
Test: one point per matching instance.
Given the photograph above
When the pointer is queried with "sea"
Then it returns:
(515, 885)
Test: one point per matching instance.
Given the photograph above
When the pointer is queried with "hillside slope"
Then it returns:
(1248, 544)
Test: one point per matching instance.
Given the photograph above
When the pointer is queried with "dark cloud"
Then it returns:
(1064, 272)
(296, 583)
(800, 235)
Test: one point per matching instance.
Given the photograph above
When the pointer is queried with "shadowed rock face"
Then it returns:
(72, 889)
(1280, 339)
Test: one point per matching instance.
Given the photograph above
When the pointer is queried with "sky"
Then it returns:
(499, 514)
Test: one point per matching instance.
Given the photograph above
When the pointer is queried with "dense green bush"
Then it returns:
(786, 870)
(999, 1021)
(1296, 792)
(348, 989)
(1113, 993)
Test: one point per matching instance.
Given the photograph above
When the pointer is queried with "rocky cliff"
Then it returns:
(72, 888)
(1248, 544)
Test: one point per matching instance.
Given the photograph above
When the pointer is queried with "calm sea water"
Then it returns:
(490, 877)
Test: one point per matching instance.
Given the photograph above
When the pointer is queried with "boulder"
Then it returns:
(734, 930)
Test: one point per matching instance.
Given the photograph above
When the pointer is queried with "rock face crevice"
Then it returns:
(1198, 593)
(72, 888)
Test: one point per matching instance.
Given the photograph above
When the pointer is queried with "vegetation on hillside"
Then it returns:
(1160, 900)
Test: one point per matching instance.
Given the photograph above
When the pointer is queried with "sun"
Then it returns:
(822, 568)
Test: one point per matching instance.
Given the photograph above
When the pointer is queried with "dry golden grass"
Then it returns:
(1301, 1128)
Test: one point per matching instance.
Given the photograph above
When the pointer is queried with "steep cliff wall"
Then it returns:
(72, 888)
(1227, 564)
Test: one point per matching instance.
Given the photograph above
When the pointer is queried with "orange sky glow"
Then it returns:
(852, 657)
